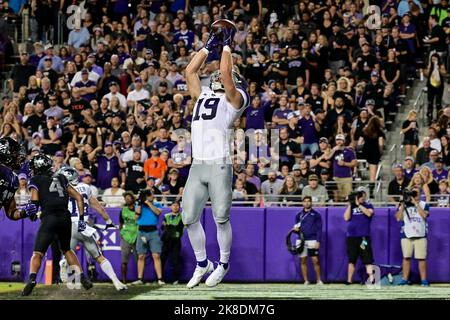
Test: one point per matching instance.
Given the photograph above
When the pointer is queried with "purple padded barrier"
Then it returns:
(280, 264)
(110, 240)
(247, 253)
(337, 263)
(336, 247)
(11, 248)
(438, 245)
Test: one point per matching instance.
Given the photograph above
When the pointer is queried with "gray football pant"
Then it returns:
(89, 243)
(205, 181)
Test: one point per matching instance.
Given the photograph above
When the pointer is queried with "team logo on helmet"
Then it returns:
(70, 173)
(41, 164)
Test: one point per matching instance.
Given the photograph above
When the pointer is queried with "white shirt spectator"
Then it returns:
(138, 95)
(93, 76)
(121, 97)
(128, 155)
(113, 200)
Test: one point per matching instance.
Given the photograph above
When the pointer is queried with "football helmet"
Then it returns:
(216, 83)
(12, 154)
(71, 174)
(298, 245)
(41, 164)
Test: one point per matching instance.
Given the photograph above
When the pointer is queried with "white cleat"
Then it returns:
(137, 283)
(119, 286)
(217, 276)
(199, 273)
(161, 283)
(63, 270)
(320, 283)
(306, 283)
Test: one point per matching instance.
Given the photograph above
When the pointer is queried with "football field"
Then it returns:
(104, 291)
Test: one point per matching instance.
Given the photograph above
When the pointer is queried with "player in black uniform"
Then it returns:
(51, 193)
(12, 156)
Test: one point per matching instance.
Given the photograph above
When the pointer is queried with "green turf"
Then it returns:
(103, 291)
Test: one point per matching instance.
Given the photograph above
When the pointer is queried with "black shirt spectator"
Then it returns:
(22, 72)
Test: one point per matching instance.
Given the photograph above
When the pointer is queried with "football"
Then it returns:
(221, 24)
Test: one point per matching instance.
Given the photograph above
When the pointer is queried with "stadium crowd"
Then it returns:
(112, 101)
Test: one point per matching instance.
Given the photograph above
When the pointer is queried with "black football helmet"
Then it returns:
(12, 154)
(41, 164)
(295, 247)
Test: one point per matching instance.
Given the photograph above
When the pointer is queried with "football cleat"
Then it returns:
(28, 288)
(63, 270)
(199, 273)
(85, 282)
(217, 276)
(119, 286)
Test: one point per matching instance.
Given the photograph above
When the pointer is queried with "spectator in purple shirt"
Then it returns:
(185, 35)
(279, 117)
(88, 88)
(308, 128)
(344, 160)
(255, 115)
(439, 173)
(108, 166)
(358, 215)
(163, 141)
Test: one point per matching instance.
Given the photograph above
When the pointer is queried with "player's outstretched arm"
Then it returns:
(94, 203)
(192, 78)
(226, 69)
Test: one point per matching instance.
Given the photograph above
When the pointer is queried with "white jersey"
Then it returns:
(86, 193)
(212, 119)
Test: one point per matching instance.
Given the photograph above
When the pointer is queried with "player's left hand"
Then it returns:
(228, 36)
(30, 210)
(81, 225)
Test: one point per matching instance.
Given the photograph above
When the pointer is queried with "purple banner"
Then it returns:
(247, 253)
(11, 245)
(258, 252)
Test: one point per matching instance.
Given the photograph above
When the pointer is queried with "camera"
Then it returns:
(408, 195)
(143, 194)
(353, 196)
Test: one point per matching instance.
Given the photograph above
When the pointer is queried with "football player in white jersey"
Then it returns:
(87, 237)
(210, 176)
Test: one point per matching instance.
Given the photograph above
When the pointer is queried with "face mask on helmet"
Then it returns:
(216, 83)
(71, 174)
(41, 164)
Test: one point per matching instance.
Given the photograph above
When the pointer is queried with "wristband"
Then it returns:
(227, 48)
(109, 221)
(206, 51)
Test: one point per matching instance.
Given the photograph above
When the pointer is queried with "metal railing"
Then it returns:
(419, 106)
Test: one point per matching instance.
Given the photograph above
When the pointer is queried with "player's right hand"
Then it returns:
(212, 42)
(228, 36)
(81, 225)
(30, 210)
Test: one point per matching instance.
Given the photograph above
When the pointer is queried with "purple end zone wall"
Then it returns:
(258, 252)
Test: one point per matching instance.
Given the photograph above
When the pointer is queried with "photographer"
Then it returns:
(148, 240)
(359, 215)
(309, 222)
(414, 214)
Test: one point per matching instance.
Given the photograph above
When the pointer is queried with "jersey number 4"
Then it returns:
(210, 105)
(56, 187)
